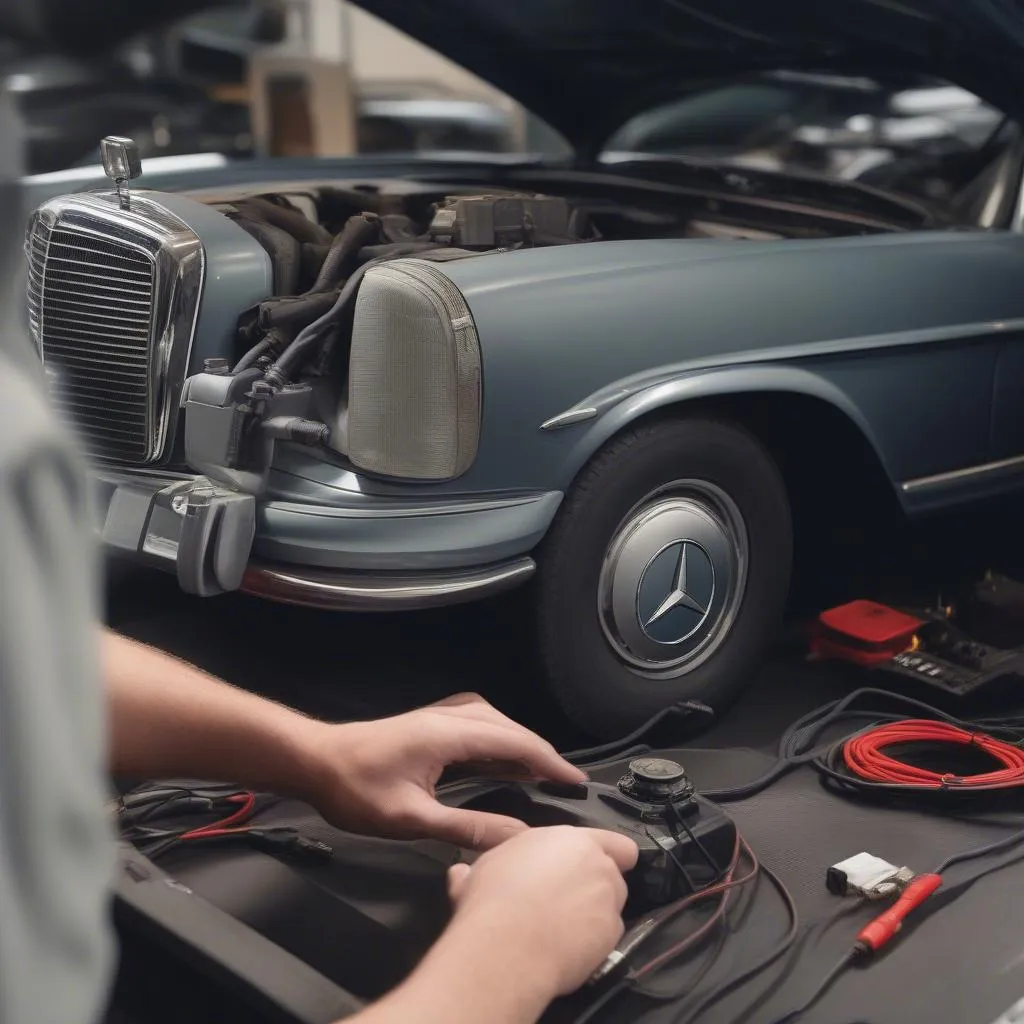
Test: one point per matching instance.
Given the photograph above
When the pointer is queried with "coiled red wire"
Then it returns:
(866, 758)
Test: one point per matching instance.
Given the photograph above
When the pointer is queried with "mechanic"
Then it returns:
(532, 917)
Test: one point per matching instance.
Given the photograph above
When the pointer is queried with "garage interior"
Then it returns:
(290, 942)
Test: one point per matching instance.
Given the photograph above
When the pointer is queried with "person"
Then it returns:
(532, 917)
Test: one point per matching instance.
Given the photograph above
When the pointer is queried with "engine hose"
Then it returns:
(286, 218)
(291, 313)
(310, 337)
(253, 355)
(356, 233)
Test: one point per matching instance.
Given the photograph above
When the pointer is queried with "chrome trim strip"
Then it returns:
(392, 510)
(335, 591)
(567, 419)
(611, 395)
(956, 475)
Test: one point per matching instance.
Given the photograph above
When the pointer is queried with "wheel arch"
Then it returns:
(840, 491)
(765, 399)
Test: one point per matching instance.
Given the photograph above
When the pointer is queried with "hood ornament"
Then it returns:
(122, 164)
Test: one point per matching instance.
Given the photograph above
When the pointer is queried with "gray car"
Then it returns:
(388, 383)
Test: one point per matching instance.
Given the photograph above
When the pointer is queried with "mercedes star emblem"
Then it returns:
(676, 592)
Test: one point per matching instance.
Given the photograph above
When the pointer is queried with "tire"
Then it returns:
(619, 640)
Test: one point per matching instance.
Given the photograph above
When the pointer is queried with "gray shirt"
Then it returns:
(56, 848)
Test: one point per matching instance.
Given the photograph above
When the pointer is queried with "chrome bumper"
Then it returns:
(374, 555)
(337, 591)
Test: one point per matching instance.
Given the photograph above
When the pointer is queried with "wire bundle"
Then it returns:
(737, 875)
(867, 757)
(803, 744)
(158, 819)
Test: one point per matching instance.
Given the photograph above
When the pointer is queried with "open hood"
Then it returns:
(586, 66)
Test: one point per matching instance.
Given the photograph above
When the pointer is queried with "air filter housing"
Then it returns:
(415, 379)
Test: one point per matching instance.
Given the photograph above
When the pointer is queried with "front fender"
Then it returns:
(677, 391)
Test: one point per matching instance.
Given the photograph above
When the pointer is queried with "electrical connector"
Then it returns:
(867, 876)
(877, 933)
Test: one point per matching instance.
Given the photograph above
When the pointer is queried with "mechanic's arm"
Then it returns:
(168, 718)
(532, 921)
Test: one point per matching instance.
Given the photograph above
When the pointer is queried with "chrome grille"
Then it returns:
(113, 301)
(94, 307)
(94, 329)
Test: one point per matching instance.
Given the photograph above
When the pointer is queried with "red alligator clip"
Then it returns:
(877, 933)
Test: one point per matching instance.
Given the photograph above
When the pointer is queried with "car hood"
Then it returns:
(586, 66)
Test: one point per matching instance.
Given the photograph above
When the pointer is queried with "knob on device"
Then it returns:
(656, 780)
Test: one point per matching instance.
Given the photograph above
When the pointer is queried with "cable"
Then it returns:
(630, 743)
(981, 851)
(785, 944)
(723, 888)
(920, 893)
(866, 758)
(823, 986)
(798, 747)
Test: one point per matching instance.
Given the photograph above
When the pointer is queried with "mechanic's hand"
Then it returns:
(378, 778)
(552, 894)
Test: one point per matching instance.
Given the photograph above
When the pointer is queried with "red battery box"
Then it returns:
(864, 632)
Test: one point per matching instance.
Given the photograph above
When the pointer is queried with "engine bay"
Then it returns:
(320, 235)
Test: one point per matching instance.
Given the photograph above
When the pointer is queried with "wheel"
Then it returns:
(665, 574)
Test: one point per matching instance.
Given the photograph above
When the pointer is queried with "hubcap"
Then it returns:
(673, 578)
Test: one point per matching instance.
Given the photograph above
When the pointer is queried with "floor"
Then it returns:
(359, 666)
(363, 666)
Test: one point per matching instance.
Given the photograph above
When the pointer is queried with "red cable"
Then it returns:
(865, 756)
(211, 833)
(248, 802)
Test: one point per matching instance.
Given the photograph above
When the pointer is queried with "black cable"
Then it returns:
(618, 748)
(761, 965)
(823, 986)
(998, 846)
(675, 821)
(612, 992)
(798, 747)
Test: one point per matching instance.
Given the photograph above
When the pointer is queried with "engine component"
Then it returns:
(233, 422)
(685, 844)
(415, 376)
(489, 222)
(656, 780)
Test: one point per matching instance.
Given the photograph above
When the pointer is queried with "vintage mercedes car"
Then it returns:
(385, 383)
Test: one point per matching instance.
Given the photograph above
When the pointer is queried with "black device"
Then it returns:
(310, 943)
(950, 660)
(685, 841)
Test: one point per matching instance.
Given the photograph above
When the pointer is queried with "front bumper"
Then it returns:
(371, 554)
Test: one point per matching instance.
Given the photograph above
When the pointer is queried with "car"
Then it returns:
(628, 384)
(874, 130)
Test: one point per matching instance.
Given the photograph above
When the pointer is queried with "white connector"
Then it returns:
(868, 876)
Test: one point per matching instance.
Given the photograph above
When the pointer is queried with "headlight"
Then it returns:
(414, 375)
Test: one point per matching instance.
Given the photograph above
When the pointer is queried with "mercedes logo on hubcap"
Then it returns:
(676, 593)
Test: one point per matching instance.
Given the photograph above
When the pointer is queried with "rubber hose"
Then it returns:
(345, 247)
(299, 226)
